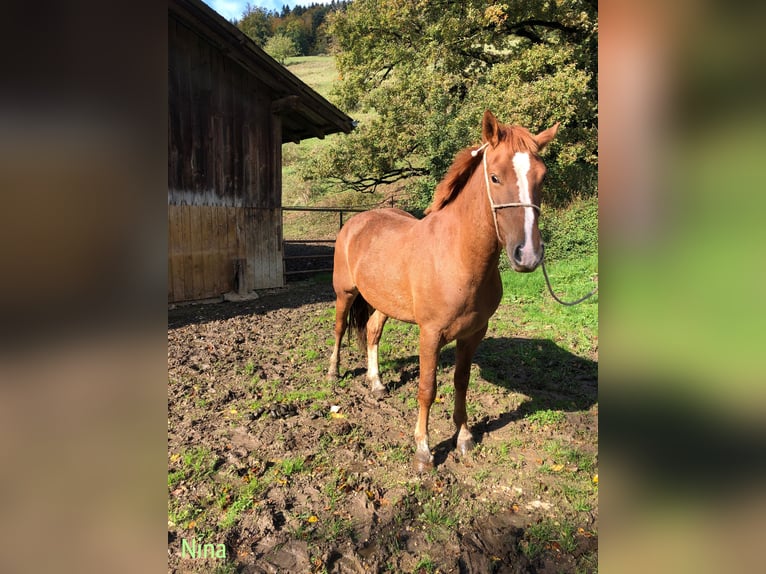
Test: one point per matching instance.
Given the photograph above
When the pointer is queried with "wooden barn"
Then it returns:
(230, 109)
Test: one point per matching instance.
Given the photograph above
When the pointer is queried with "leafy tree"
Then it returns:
(420, 73)
(256, 23)
(280, 47)
(298, 30)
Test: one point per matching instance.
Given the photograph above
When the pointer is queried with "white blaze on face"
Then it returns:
(521, 165)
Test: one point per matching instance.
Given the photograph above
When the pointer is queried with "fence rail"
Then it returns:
(314, 256)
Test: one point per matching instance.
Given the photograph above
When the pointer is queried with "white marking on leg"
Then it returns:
(372, 362)
(422, 446)
(521, 165)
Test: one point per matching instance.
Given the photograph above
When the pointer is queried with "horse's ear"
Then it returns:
(545, 137)
(490, 129)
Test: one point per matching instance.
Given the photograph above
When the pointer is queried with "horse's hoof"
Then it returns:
(332, 377)
(465, 446)
(423, 462)
(379, 390)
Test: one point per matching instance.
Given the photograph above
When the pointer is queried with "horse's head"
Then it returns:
(513, 174)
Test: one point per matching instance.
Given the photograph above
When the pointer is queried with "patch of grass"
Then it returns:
(338, 528)
(425, 564)
(528, 310)
(292, 466)
(437, 515)
(577, 498)
(193, 464)
(399, 453)
(226, 568)
(482, 475)
(175, 477)
(539, 537)
(311, 354)
(335, 488)
(244, 500)
(182, 514)
(570, 456)
(546, 417)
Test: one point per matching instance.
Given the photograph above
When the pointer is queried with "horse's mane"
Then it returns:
(519, 139)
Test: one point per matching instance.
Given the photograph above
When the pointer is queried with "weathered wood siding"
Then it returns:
(224, 174)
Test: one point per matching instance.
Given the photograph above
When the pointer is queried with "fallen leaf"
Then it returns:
(595, 479)
(312, 519)
(557, 467)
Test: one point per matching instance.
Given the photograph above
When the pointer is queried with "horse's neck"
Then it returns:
(473, 215)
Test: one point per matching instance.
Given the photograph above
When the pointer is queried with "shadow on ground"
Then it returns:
(551, 376)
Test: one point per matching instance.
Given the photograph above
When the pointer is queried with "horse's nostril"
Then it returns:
(517, 253)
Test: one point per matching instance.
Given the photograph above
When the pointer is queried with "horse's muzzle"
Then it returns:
(525, 258)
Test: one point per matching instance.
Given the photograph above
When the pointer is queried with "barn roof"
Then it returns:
(305, 113)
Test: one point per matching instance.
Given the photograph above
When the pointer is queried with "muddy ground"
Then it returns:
(281, 471)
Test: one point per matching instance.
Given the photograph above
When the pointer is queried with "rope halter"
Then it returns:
(496, 206)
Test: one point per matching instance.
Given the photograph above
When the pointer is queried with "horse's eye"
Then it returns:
(495, 179)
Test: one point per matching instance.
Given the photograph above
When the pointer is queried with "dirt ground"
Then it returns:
(283, 471)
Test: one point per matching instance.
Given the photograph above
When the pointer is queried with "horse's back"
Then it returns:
(374, 254)
(375, 219)
(375, 228)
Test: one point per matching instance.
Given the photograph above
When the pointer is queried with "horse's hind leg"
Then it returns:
(342, 305)
(464, 352)
(374, 330)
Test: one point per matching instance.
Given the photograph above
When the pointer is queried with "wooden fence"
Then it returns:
(313, 257)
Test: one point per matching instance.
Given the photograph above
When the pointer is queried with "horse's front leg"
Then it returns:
(429, 352)
(464, 352)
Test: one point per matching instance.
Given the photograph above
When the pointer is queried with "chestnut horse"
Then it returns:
(441, 271)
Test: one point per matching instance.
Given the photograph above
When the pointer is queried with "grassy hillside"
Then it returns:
(320, 73)
(317, 71)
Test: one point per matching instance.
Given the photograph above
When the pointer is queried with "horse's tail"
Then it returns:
(357, 320)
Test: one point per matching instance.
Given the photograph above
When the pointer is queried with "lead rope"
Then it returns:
(550, 289)
(495, 206)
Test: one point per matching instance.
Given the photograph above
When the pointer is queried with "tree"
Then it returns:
(256, 23)
(280, 47)
(424, 71)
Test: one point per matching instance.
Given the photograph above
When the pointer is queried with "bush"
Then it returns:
(571, 232)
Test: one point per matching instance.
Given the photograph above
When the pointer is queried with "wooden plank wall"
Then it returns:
(207, 244)
(224, 174)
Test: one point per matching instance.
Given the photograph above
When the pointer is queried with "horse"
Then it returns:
(441, 271)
